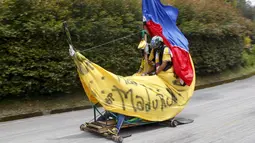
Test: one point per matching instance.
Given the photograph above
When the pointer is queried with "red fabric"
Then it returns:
(181, 59)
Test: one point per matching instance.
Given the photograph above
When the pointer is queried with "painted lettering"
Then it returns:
(139, 103)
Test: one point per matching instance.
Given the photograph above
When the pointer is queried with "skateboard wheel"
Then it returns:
(173, 123)
(114, 131)
(117, 139)
(106, 134)
(82, 127)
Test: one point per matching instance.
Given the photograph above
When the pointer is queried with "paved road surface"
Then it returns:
(224, 113)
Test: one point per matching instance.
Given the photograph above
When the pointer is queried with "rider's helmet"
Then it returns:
(156, 42)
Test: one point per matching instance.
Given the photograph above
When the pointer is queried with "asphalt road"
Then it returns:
(223, 113)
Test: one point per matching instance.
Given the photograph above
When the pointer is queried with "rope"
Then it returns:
(69, 40)
(70, 43)
(109, 42)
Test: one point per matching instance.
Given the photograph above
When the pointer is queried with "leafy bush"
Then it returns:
(215, 54)
(248, 57)
(34, 52)
(211, 18)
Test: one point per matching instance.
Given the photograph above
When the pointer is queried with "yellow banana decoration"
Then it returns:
(147, 97)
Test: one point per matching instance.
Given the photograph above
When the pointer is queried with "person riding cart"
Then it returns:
(144, 49)
(161, 58)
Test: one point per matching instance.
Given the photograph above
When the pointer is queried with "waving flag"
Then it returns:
(161, 21)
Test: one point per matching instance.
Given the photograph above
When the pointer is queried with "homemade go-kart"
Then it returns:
(130, 101)
(138, 100)
(110, 124)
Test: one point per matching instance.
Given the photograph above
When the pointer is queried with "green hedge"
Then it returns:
(215, 54)
(33, 49)
(34, 53)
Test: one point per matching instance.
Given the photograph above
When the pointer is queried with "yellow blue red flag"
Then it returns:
(161, 21)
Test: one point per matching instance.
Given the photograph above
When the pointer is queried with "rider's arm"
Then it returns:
(141, 66)
(146, 53)
(161, 67)
(166, 58)
(151, 57)
(150, 62)
(145, 37)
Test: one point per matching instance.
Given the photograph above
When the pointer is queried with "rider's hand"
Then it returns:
(151, 63)
(144, 74)
(153, 73)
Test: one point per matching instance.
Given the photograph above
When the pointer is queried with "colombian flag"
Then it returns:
(161, 21)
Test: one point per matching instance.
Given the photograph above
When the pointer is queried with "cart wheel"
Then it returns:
(117, 139)
(82, 127)
(173, 123)
(106, 134)
(113, 131)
